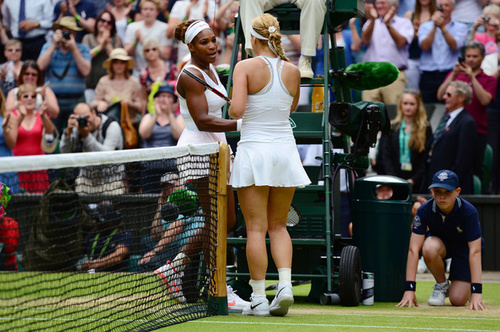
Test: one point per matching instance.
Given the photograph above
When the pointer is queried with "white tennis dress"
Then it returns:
(193, 167)
(191, 134)
(267, 154)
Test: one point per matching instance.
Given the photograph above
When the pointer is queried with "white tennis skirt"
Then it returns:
(195, 167)
(275, 164)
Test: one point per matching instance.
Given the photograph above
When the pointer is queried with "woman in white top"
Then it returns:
(121, 10)
(200, 107)
(267, 167)
(148, 27)
(201, 111)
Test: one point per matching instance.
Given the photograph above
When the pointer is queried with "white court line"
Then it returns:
(268, 323)
(329, 314)
(341, 325)
(406, 316)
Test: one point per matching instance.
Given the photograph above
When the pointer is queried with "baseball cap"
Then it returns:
(166, 87)
(445, 179)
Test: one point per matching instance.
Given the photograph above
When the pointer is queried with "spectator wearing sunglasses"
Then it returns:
(157, 68)
(101, 42)
(31, 74)
(9, 71)
(31, 128)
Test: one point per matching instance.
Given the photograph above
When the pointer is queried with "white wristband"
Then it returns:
(238, 124)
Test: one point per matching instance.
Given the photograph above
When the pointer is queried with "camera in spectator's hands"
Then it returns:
(66, 35)
(440, 8)
(82, 122)
(486, 19)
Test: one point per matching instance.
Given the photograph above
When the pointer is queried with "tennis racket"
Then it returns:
(208, 86)
(294, 217)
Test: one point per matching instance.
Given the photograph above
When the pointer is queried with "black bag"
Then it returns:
(119, 112)
(56, 240)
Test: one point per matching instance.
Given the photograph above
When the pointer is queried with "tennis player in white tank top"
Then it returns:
(201, 110)
(267, 167)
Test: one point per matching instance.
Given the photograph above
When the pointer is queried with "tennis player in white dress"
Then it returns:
(267, 167)
(201, 110)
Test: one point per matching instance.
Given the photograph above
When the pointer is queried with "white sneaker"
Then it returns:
(438, 295)
(170, 280)
(282, 301)
(234, 302)
(422, 267)
(305, 67)
(259, 306)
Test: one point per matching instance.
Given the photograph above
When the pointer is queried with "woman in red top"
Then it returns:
(33, 126)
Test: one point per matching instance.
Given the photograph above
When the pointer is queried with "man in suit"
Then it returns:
(454, 140)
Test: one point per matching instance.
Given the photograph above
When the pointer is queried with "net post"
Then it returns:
(218, 300)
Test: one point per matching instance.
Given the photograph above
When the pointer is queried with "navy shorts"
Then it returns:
(459, 254)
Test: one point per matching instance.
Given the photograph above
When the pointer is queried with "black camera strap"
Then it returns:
(64, 73)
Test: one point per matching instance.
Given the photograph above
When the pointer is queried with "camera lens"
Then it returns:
(66, 35)
(82, 122)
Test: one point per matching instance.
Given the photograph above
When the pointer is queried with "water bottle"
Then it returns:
(9, 81)
(10, 77)
(318, 98)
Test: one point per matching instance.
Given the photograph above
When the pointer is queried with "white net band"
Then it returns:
(58, 161)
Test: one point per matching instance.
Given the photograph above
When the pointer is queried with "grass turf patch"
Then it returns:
(382, 316)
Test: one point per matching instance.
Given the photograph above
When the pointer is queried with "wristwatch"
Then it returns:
(156, 250)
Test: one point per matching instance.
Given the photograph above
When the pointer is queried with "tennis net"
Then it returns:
(121, 240)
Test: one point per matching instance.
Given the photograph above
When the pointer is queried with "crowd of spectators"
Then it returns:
(101, 52)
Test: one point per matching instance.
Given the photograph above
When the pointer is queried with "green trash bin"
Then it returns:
(381, 231)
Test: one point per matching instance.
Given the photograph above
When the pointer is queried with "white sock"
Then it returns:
(178, 262)
(285, 274)
(259, 287)
(443, 283)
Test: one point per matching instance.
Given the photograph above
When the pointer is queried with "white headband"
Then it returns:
(259, 36)
(194, 29)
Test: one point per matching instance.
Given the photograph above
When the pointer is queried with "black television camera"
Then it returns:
(362, 121)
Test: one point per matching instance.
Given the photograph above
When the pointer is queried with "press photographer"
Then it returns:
(66, 63)
(88, 131)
